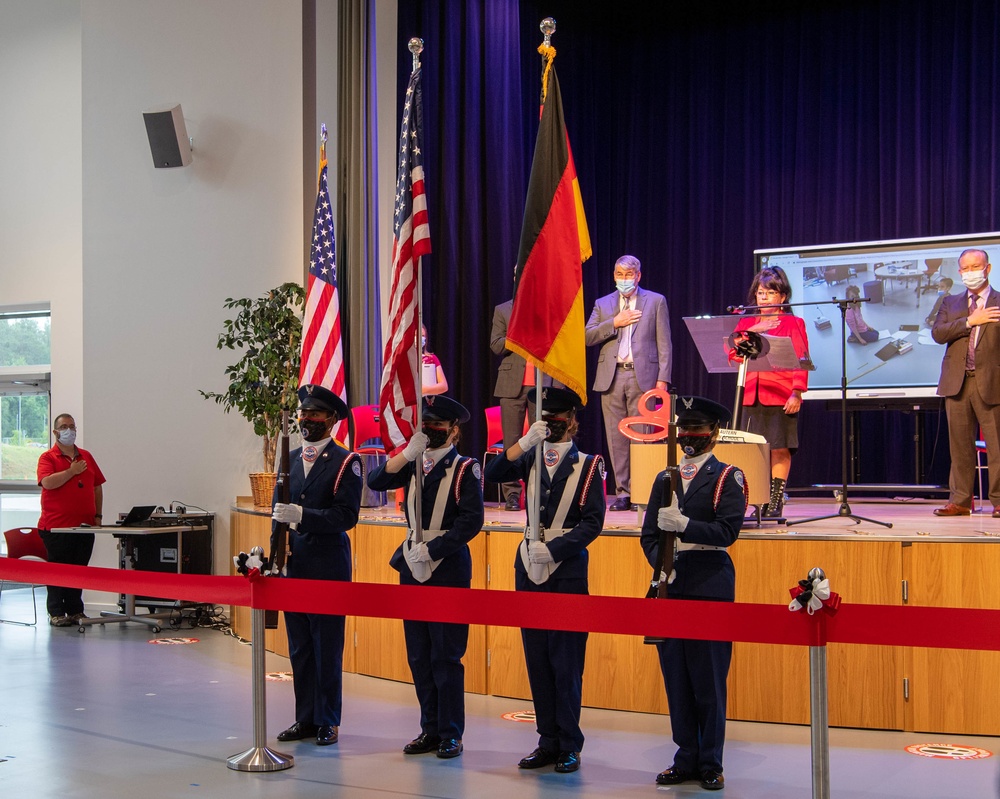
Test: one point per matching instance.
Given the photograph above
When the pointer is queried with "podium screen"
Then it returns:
(903, 280)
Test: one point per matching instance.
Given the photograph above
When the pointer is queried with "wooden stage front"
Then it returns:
(921, 561)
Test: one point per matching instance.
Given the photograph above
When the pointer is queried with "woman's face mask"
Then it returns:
(437, 436)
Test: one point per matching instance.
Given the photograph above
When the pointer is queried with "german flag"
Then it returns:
(547, 322)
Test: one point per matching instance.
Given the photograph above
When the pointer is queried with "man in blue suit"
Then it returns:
(632, 328)
(705, 517)
(325, 482)
(451, 512)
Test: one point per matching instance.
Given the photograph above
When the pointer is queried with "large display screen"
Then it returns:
(903, 280)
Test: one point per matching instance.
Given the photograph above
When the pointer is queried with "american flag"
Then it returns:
(322, 346)
(411, 239)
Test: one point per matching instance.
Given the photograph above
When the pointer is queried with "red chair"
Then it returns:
(367, 438)
(494, 442)
(367, 442)
(24, 542)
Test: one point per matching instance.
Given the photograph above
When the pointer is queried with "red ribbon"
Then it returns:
(942, 628)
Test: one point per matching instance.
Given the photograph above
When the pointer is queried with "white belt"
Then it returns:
(550, 534)
(427, 535)
(682, 547)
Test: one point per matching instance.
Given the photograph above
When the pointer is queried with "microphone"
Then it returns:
(735, 309)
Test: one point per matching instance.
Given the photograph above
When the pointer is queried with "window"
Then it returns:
(25, 381)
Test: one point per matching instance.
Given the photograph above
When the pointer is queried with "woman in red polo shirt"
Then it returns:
(72, 495)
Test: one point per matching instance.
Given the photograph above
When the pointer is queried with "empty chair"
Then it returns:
(24, 542)
(494, 442)
(366, 440)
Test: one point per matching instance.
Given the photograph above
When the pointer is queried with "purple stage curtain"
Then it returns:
(701, 132)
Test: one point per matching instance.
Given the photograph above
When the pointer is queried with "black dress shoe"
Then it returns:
(674, 776)
(422, 744)
(567, 762)
(450, 747)
(327, 735)
(622, 503)
(297, 732)
(540, 757)
(712, 780)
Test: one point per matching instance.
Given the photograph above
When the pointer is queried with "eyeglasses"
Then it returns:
(769, 293)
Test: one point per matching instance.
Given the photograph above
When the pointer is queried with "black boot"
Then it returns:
(777, 501)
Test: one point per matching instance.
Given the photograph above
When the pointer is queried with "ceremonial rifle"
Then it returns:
(658, 585)
(280, 537)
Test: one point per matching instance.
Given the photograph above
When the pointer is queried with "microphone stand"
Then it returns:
(844, 511)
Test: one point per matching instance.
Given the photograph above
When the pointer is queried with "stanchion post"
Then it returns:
(259, 757)
(819, 723)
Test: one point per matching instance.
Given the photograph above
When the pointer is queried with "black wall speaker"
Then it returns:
(168, 139)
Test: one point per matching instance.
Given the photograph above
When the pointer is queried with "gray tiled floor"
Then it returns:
(105, 714)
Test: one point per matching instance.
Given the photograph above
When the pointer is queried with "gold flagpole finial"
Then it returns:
(416, 47)
(548, 52)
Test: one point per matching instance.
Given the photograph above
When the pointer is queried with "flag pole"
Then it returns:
(534, 519)
(547, 27)
(416, 47)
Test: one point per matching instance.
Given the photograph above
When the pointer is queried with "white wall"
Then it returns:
(163, 248)
(138, 261)
(40, 179)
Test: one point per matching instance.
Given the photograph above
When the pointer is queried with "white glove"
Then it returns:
(415, 446)
(537, 433)
(671, 518)
(539, 553)
(289, 514)
(418, 553)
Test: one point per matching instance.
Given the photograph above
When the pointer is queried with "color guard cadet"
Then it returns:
(572, 509)
(706, 518)
(451, 516)
(325, 482)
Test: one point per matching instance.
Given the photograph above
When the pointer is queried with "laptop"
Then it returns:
(137, 516)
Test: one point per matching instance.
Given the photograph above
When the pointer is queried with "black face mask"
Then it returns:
(437, 437)
(557, 429)
(694, 444)
(312, 429)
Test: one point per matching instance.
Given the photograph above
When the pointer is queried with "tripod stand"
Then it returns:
(844, 512)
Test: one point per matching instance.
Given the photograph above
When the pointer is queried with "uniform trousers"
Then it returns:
(966, 414)
(555, 660)
(434, 651)
(694, 673)
(619, 401)
(73, 548)
(316, 649)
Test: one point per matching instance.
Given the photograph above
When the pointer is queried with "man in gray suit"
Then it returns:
(632, 328)
(514, 380)
(970, 379)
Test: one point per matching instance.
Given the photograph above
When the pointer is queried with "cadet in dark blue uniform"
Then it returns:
(452, 515)
(706, 518)
(571, 507)
(325, 482)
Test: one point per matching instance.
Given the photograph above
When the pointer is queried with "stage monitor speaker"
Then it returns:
(168, 139)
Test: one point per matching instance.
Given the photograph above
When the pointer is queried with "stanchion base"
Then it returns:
(260, 758)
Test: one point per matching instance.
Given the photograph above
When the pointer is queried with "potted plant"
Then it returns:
(264, 381)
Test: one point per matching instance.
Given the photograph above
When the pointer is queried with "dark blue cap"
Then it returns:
(556, 400)
(312, 397)
(697, 411)
(439, 408)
